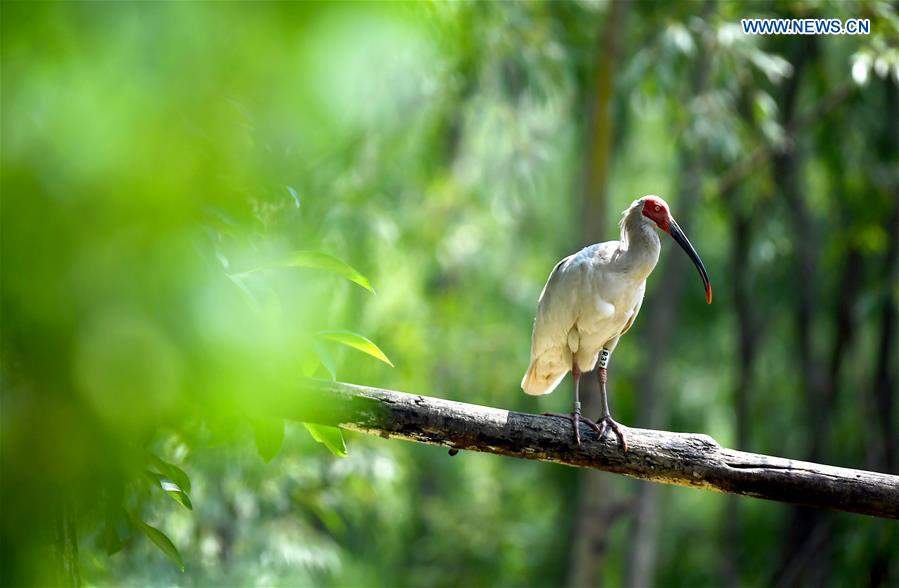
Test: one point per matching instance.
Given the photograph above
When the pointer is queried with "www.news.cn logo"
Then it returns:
(805, 26)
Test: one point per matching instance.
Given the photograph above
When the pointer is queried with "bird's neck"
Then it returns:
(640, 245)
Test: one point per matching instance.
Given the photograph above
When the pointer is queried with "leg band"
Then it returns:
(604, 356)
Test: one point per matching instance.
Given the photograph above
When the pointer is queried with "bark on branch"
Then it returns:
(671, 458)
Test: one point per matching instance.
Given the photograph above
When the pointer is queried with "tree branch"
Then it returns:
(671, 458)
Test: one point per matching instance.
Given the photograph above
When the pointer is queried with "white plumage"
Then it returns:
(590, 299)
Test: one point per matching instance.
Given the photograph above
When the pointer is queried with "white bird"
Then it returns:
(592, 298)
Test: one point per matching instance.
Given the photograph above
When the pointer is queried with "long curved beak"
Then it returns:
(678, 235)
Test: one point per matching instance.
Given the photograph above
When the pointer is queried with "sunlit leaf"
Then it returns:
(176, 493)
(861, 67)
(172, 489)
(330, 437)
(356, 341)
(321, 261)
(161, 541)
(775, 67)
(269, 437)
(678, 36)
(173, 472)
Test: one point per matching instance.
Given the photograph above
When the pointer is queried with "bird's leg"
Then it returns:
(605, 419)
(576, 413)
(575, 417)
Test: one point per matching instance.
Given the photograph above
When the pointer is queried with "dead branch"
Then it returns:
(684, 459)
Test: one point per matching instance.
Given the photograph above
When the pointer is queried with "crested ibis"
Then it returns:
(591, 299)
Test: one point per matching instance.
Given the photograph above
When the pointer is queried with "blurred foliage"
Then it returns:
(199, 201)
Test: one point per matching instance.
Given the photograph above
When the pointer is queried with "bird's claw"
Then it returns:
(609, 423)
(576, 419)
(605, 424)
(590, 423)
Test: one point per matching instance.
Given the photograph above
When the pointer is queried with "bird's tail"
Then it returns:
(538, 382)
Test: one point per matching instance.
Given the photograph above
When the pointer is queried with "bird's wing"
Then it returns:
(634, 312)
(558, 306)
(612, 343)
(557, 312)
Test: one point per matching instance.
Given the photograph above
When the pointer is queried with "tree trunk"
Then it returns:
(660, 324)
(883, 441)
(885, 379)
(808, 531)
(747, 346)
(597, 507)
(598, 144)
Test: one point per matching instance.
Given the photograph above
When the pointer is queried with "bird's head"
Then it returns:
(656, 209)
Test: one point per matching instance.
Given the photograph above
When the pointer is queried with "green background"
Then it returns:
(161, 162)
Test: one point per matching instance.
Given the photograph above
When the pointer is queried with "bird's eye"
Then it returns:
(658, 208)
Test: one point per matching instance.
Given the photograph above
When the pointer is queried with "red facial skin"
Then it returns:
(657, 213)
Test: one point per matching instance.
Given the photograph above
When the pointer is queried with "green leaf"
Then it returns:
(176, 493)
(269, 436)
(161, 541)
(356, 341)
(117, 531)
(330, 437)
(322, 509)
(173, 472)
(321, 261)
(327, 360)
(171, 488)
(307, 358)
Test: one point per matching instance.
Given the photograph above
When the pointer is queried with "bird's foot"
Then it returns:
(576, 419)
(607, 423)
